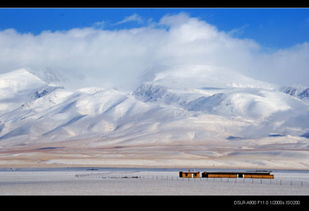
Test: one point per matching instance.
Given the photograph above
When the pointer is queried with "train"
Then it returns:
(258, 174)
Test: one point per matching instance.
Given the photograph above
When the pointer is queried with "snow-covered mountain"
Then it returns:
(199, 105)
(17, 88)
(300, 92)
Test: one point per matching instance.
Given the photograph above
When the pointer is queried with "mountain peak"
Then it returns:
(198, 76)
(20, 79)
(20, 71)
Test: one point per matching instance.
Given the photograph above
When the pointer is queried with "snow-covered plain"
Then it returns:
(143, 182)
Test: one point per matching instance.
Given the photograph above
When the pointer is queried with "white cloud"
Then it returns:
(290, 66)
(238, 31)
(123, 58)
(99, 24)
(131, 18)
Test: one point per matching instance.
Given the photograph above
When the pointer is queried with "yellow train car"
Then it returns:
(189, 174)
(259, 176)
(222, 176)
(254, 175)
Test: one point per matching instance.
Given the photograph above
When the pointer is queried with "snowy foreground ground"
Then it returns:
(83, 181)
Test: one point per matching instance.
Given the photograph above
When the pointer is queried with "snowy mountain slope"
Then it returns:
(62, 114)
(264, 105)
(213, 90)
(20, 87)
(57, 114)
(247, 103)
(224, 112)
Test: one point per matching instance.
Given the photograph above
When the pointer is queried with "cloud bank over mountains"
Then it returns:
(124, 58)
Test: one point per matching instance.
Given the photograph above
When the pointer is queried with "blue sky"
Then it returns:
(271, 28)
